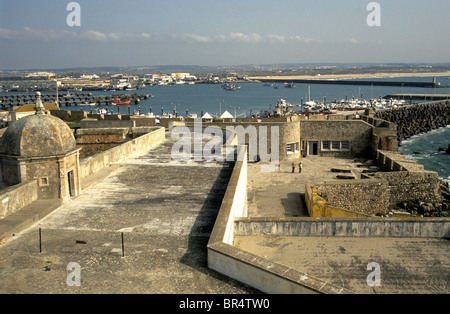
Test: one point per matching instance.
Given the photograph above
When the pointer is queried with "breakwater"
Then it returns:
(425, 97)
(417, 119)
(78, 99)
(433, 84)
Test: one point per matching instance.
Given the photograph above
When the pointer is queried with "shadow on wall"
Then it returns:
(294, 205)
(196, 254)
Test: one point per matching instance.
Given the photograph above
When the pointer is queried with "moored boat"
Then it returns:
(88, 104)
(120, 102)
(231, 87)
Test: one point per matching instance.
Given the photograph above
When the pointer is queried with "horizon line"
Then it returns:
(337, 64)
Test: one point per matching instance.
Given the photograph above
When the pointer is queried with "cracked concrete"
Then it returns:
(166, 211)
(408, 266)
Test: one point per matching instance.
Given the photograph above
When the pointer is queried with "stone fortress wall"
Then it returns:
(398, 179)
(15, 197)
(297, 134)
(289, 132)
(356, 132)
(134, 148)
(271, 277)
(378, 193)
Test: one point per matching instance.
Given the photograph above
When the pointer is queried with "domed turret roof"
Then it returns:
(37, 135)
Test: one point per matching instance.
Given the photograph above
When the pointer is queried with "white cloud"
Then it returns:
(8, 33)
(192, 38)
(28, 33)
(277, 38)
(97, 36)
(228, 38)
(54, 35)
(93, 36)
(250, 38)
(274, 38)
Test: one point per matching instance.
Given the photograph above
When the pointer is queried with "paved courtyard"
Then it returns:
(416, 266)
(166, 211)
(280, 193)
(407, 266)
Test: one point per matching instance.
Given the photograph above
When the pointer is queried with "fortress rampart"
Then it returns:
(343, 227)
(253, 270)
(135, 147)
(16, 198)
(379, 193)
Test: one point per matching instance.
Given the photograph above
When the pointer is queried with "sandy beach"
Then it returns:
(346, 76)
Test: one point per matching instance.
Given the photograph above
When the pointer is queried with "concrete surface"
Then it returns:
(280, 193)
(166, 211)
(408, 266)
(26, 217)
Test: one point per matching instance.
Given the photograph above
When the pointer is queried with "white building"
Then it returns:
(41, 74)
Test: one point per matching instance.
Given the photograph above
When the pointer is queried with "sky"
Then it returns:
(36, 34)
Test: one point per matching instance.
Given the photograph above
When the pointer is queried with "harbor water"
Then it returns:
(252, 98)
(424, 149)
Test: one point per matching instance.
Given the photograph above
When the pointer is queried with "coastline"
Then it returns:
(351, 76)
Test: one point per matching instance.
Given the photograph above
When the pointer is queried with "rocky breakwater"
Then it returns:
(417, 119)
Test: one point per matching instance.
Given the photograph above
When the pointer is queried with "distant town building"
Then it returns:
(41, 74)
(150, 78)
(90, 77)
(183, 77)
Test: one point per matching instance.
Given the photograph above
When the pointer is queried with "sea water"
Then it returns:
(253, 97)
(424, 149)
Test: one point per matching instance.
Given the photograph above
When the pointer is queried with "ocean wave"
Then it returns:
(420, 137)
(446, 180)
(424, 149)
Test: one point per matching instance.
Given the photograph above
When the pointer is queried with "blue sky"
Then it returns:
(34, 34)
